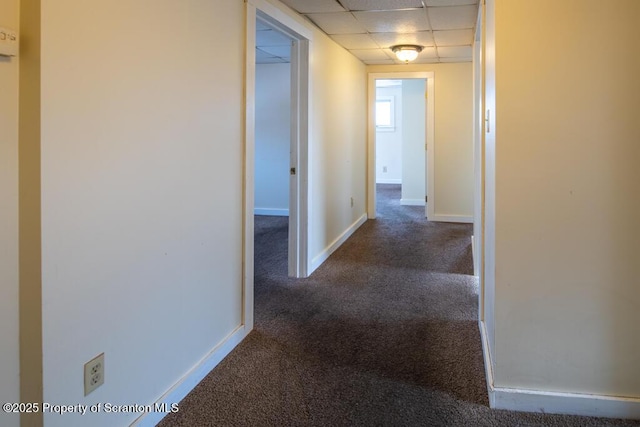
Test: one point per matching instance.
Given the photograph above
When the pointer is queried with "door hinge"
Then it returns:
(426, 199)
(292, 171)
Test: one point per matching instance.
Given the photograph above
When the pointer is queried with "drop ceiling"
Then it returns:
(272, 46)
(368, 29)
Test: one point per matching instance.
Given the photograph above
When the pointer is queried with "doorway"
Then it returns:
(401, 141)
(273, 145)
(415, 165)
(268, 15)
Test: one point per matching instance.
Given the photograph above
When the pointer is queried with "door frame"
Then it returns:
(429, 76)
(299, 182)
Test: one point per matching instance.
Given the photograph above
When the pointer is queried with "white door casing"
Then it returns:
(371, 135)
(298, 199)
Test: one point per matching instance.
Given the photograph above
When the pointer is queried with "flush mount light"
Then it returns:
(406, 52)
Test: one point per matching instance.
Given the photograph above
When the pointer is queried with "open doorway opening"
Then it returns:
(400, 141)
(264, 16)
(401, 118)
(273, 142)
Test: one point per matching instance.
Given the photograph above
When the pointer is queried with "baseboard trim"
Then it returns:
(196, 374)
(389, 181)
(452, 218)
(322, 257)
(549, 402)
(412, 202)
(590, 405)
(271, 212)
(488, 363)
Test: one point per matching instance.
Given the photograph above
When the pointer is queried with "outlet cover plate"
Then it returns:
(8, 42)
(93, 374)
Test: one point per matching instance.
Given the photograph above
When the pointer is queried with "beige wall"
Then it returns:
(453, 175)
(9, 362)
(337, 146)
(567, 205)
(141, 248)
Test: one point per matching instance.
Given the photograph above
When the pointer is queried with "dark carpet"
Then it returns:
(384, 333)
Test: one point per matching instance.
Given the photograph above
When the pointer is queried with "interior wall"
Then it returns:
(140, 242)
(453, 134)
(389, 142)
(338, 149)
(9, 286)
(273, 138)
(413, 142)
(567, 210)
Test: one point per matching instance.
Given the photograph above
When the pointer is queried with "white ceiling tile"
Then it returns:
(428, 52)
(398, 21)
(370, 54)
(468, 59)
(272, 60)
(455, 52)
(263, 57)
(272, 38)
(261, 26)
(380, 4)
(450, 2)
(422, 38)
(281, 51)
(453, 18)
(453, 37)
(355, 41)
(337, 23)
(379, 62)
(314, 6)
(423, 60)
(260, 54)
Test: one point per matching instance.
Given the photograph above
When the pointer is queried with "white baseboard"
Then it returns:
(322, 257)
(550, 402)
(590, 405)
(388, 181)
(488, 361)
(412, 202)
(451, 218)
(473, 255)
(196, 374)
(271, 212)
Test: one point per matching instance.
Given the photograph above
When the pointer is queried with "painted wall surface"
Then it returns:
(567, 205)
(9, 326)
(453, 134)
(140, 241)
(337, 142)
(273, 137)
(413, 142)
(389, 143)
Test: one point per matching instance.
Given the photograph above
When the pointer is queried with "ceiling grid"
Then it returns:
(369, 28)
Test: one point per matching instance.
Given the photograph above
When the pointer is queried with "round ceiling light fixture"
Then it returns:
(406, 52)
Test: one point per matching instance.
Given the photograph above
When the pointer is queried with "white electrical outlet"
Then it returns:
(93, 374)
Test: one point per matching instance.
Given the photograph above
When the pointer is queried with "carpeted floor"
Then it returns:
(384, 333)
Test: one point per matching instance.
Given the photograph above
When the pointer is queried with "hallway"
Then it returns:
(383, 333)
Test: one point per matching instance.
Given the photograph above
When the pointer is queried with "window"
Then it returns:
(385, 113)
